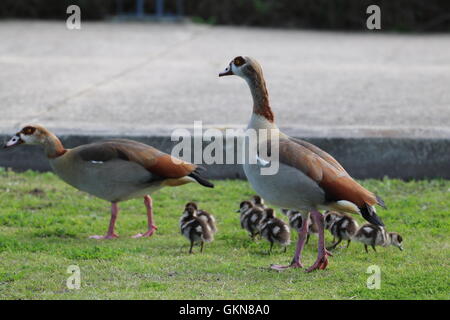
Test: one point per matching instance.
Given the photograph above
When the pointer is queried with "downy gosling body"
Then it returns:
(373, 235)
(274, 230)
(250, 217)
(195, 229)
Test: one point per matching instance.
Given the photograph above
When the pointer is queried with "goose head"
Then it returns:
(30, 134)
(244, 67)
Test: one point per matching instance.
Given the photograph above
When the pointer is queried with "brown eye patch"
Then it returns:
(28, 130)
(238, 61)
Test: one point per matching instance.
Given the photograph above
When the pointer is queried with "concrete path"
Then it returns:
(144, 79)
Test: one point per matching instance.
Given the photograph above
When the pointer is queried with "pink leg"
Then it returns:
(322, 260)
(110, 234)
(151, 227)
(297, 260)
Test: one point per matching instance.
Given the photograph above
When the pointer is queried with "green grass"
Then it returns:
(45, 224)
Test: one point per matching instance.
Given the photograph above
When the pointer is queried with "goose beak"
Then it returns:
(14, 141)
(238, 210)
(226, 72)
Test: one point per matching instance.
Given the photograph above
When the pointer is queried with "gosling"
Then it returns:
(341, 226)
(250, 217)
(372, 235)
(274, 230)
(296, 222)
(205, 215)
(195, 229)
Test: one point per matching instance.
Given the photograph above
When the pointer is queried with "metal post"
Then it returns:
(140, 8)
(159, 6)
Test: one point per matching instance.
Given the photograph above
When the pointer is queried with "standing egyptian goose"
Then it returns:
(308, 179)
(114, 170)
(205, 215)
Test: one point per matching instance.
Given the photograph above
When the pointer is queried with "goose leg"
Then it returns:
(151, 227)
(297, 260)
(322, 260)
(112, 222)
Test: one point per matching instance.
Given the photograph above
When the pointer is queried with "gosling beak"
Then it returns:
(401, 248)
(226, 72)
(14, 141)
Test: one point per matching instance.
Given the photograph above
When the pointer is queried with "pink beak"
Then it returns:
(226, 72)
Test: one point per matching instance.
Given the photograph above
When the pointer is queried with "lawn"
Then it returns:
(45, 224)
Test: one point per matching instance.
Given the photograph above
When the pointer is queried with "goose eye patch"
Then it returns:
(238, 61)
(28, 130)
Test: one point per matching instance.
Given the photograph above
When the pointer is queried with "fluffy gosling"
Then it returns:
(296, 222)
(250, 216)
(372, 235)
(274, 230)
(341, 226)
(194, 228)
(205, 215)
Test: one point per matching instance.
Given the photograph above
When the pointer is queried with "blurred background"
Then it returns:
(141, 68)
(398, 15)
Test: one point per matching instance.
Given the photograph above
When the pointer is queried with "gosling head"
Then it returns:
(396, 240)
(330, 218)
(191, 204)
(244, 206)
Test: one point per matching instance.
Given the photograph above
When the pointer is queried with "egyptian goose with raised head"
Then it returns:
(308, 179)
(114, 170)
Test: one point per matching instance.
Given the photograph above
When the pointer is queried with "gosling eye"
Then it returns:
(238, 61)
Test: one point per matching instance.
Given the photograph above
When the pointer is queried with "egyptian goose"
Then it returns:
(274, 230)
(296, 221)
(114, 170)
(341, 226)
(308, 179)
(205, 215)
(194, 228)
(250, 216)
(372, 235)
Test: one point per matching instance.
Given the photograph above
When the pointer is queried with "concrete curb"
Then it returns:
(370, 153)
